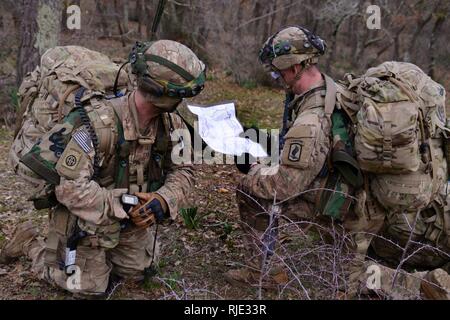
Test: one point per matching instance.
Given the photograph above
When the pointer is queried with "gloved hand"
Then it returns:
(156, 204)
(152, 208)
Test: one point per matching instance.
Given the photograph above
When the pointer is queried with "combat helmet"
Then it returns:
(168, 70)
(290, 46)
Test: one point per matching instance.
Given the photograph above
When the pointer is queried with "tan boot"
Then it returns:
(24, 234)
(245, 278)
(436, 285)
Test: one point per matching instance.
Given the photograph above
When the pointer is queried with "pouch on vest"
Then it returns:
(399, 113)
(344, 175)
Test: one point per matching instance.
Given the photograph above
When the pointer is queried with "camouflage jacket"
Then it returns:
(304, 154)
(68, 153)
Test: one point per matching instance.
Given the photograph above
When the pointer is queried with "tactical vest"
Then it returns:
(112, 150)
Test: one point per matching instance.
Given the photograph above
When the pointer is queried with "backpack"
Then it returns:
(398, 115)
(47, 95)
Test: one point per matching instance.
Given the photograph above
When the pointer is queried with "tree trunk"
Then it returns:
(149, 14)
(40, 29)
(101, 11)
(120, 26)
(126, 19)
(440, 19)
(140, 10)
(333, 47)
(397, 43)
(409, 52)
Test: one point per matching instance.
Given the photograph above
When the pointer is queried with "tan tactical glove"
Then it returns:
(152, 208)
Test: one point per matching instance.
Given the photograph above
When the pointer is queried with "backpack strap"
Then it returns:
(63, 98)
(330, 97)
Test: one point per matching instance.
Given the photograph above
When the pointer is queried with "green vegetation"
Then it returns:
(13, 95)
(190, 217)
(227, 229)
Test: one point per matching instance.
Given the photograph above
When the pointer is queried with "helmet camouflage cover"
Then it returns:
(291, 46)
(167, 68)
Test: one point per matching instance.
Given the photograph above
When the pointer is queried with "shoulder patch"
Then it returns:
(72, 161)
(299, 147)
(295, 151)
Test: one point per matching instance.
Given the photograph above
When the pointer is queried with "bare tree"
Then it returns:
(441, 14)
(101, 8)
(40, 29)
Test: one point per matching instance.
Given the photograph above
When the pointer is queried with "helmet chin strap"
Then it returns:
(305, 65)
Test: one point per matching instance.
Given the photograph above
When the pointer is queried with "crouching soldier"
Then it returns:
(103, 151)
(318, 172)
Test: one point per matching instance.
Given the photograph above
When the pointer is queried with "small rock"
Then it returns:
(3, 272)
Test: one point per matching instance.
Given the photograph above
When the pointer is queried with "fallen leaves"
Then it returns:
(223, 190)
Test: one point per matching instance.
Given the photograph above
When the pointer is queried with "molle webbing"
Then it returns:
(155, 174)
(121, 165)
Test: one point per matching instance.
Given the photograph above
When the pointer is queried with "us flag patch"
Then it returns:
(83, 139)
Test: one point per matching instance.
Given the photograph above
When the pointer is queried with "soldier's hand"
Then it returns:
(155, 203)
(152, 208)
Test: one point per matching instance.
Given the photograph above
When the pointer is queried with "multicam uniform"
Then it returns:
(302, 169)
(94, 206)
(98, 153)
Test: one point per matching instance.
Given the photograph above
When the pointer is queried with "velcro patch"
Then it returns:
(295, 151)
(299, 148)
(83, 139)
(71, 159)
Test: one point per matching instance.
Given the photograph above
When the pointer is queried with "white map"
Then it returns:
(220, 129)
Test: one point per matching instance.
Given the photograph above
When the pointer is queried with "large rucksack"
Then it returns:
(47, 95)
(398, 113)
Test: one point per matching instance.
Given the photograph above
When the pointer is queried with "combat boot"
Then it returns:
(436, 285)
(24, 234)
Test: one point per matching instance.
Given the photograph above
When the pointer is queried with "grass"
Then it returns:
(13, 95)
(254, 104)
(191, 218)
(227, 228)
(248, 84)
(172, 281)
(5, 134)
(150, 284)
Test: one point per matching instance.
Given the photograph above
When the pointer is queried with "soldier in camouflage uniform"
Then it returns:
(117, 146)
(292, 55)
